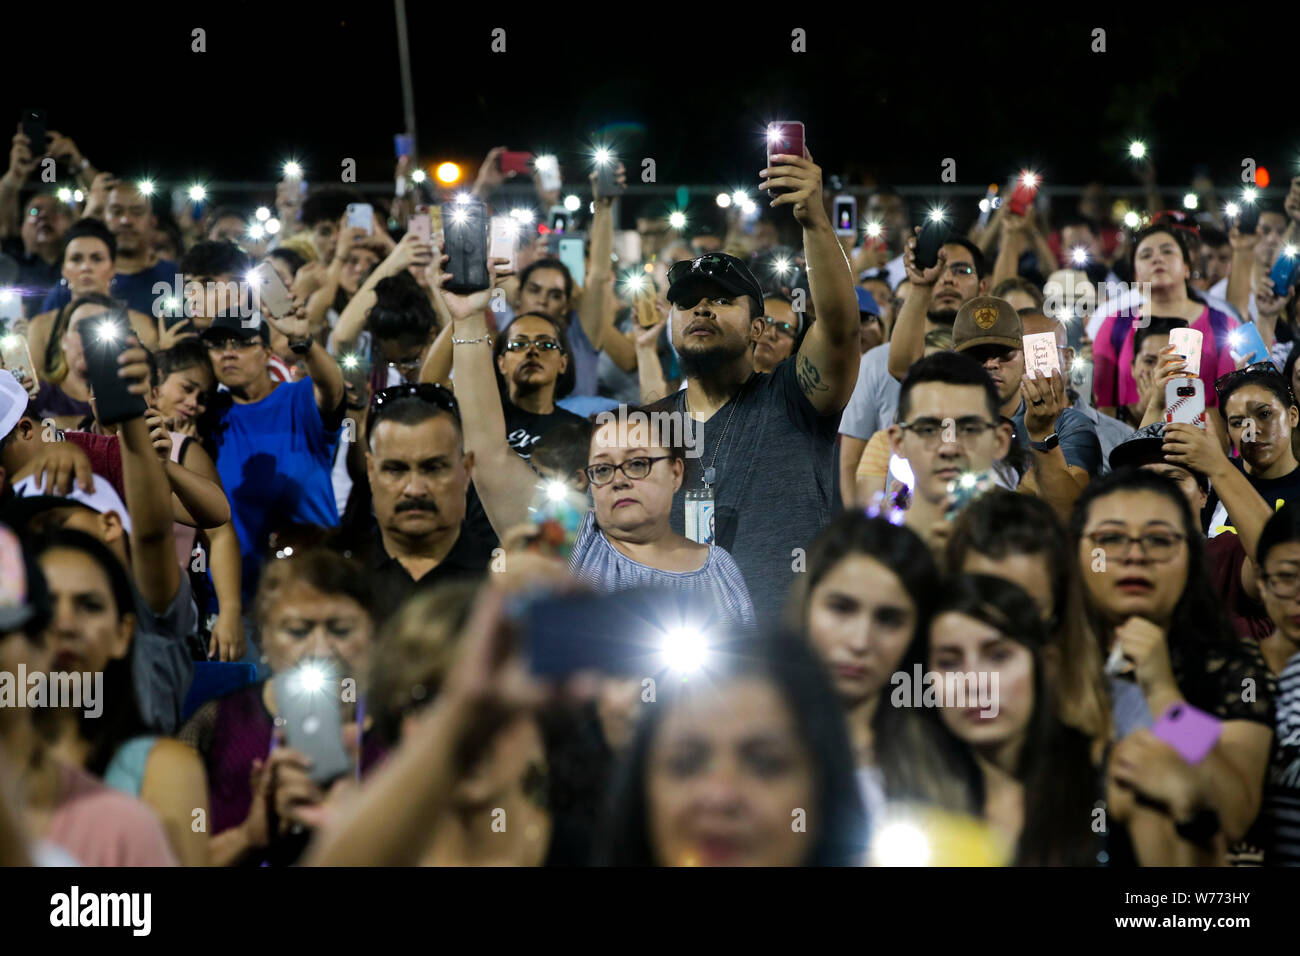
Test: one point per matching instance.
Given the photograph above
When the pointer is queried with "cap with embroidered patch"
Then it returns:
(987, 320)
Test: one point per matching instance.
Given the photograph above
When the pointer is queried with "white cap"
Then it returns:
(102, 500)
(13, 402)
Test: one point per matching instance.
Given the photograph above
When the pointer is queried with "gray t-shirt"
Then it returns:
(775, 479)
(1077, 436)
(874, 401)
(161, 662)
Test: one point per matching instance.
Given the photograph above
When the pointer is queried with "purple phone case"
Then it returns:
(1193, 733)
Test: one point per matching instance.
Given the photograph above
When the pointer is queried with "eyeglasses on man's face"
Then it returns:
(789, 330)
(1282, 584)
(233, 344)
(929, 431)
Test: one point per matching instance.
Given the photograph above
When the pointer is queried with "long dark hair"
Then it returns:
(1198, 625)
(120, 720)
(564, 383)
(1061, 786)
(1003, 523)
(788, 664)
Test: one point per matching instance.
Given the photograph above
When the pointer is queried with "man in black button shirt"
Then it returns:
(419, 476)
(533, 370)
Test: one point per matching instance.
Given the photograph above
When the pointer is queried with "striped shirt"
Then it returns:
(1281, 805)
(598, 563)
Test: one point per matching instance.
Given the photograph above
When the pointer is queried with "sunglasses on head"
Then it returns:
(1255, 370)
(429, 392)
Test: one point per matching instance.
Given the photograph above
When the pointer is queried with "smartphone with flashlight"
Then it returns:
(503, 239)
(1023, 196)
(573, 254)
(1284, 273)
(103, 339)
(1185, 402)
(361, 215)
(403, 144)
(846, 216)
(933, 235)
(962, 491)
(514, 162)
(1247, 217)
(1245, 342)
(15, 357)
(1192, 732)
(310, 704)
(465, 228)
(33, 123)
(356, 372)
(784, 137)
(607, 185)
(988, 204)
(548, 173)
(269, 291)
(1187, 343)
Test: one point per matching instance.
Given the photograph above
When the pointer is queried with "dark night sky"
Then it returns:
(994, 91)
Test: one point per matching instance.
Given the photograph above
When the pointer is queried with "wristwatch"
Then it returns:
(1047, 444)
(301, 346)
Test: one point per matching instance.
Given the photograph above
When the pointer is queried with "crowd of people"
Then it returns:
(743, 538)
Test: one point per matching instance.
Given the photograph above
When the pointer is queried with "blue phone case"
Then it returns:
(1246, 342)
(1284, 273)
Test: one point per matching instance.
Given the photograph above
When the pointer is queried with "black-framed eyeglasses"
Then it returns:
(783, 328)
(961, 269)
(522, 344)
(1254, 369)
(234, 343)
(430, 392)
(633, 468)
(930, 430)
(1156, 546)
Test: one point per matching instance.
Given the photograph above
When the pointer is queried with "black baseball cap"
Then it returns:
(689, 280)
(224, 326)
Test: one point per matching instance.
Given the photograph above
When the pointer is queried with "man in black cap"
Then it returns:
(762, 435)
(275, 441)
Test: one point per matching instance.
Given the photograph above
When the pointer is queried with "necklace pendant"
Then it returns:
(710, 475)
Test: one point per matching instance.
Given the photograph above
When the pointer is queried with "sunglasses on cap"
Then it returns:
(1177, 219)
(713, 265)
(429, 392)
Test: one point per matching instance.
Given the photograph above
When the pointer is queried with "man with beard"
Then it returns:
(130, 219)
(758, 436)
(532, 359)
(419, 477)
(932, 303)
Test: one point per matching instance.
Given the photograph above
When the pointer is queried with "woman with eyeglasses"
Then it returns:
(1279, 561)
(534, 370)
(775, 334)
(634, 469)
(1149, 595)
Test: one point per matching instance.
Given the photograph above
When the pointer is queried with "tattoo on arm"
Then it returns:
(810, 377)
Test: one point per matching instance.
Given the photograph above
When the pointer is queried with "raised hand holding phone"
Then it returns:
(926, 274)
(801, 181)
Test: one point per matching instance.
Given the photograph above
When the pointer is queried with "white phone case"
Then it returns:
(503, 239)
(361, 215)
(1187, 342)
(1188, 408)
(1041, 355)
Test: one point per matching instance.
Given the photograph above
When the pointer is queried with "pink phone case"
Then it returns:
(1193, 733)
(421, 225)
